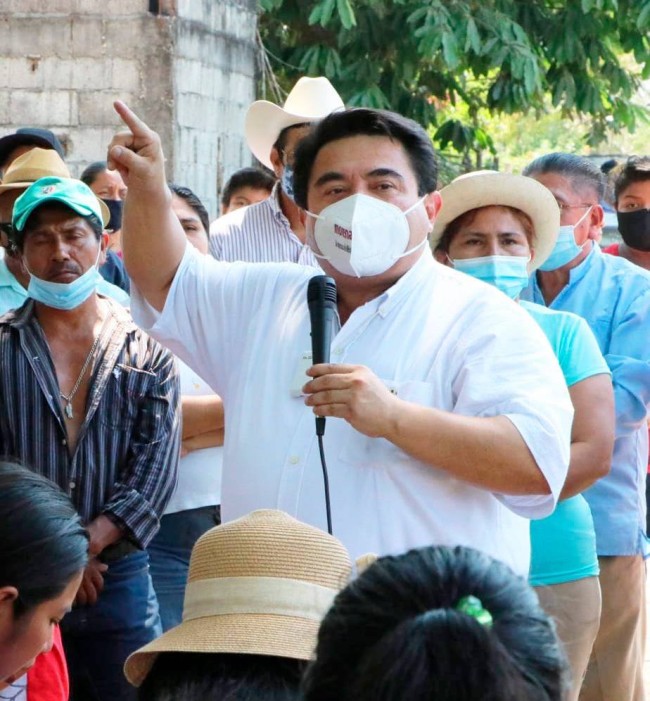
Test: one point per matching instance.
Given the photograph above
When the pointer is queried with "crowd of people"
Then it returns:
(483, 467)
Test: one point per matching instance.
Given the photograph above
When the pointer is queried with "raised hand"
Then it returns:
(137, 154)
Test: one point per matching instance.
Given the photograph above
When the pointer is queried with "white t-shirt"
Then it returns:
(437, 337)
(199, 472)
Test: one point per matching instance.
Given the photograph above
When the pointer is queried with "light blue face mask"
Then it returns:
(65, 295)
(566, 248)
(287, 181)
(507, 273)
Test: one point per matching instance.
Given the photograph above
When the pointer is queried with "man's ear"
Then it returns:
(441, 257)
(432, 204)
(103, 243)
(596, 221)
(276, 162)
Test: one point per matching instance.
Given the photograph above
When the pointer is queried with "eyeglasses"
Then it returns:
(566, 207)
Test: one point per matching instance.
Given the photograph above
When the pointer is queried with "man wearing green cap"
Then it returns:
(91, 402)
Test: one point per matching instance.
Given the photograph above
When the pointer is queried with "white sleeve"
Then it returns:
(209, 311)
(509, 369)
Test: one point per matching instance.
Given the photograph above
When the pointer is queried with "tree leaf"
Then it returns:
(346, 13)
(473, 40)
(450, 49)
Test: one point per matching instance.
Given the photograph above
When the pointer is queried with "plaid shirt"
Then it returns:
(126, 456)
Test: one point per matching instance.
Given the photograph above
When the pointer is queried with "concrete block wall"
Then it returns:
(214, 77)
(189, 73)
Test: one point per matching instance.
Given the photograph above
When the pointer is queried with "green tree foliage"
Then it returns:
(421, 57)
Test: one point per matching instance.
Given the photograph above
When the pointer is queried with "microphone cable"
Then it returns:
(326, 483)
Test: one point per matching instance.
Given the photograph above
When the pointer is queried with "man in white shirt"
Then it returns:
(273, 230)
(450, 418)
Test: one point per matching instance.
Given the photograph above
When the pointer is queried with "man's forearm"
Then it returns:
(487, 452)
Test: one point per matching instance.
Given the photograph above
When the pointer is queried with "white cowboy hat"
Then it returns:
(310, 99)
(486, 188)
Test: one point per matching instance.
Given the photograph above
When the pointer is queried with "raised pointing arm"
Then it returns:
(153, 240)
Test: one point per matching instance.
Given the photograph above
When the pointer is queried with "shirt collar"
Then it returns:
(577, 273)
(22, 316)
(8, 279)
(407, 284)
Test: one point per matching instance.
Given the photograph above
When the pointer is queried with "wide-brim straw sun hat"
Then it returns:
(40, 163)
(310, 100)
(259, 585)
(488, 189)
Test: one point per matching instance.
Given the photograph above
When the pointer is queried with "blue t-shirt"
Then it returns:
(563, 544)
(613, 296)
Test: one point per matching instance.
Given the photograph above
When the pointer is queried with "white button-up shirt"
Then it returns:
(259, 233)
(437, 338)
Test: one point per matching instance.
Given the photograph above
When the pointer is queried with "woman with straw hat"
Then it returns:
(500, 228)
(257, 590)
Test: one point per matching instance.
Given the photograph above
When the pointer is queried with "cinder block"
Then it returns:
(57, 72)
(92, 73)
(96, 107)
(87, 34)
(126, 75)
(35, 35)
(48, 108)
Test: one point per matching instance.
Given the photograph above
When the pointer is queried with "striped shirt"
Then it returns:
(259, 233)
(126, 457)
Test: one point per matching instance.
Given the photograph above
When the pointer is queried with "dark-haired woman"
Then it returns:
(194, 505)
(439, 624)
(499, 228)
(43, 551)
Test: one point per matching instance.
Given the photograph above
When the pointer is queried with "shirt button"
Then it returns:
(294, 459)
(64, 442)
(73, 485)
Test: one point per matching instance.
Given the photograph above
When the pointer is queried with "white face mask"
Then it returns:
(363, 236)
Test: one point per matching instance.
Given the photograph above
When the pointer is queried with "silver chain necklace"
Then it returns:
(70, 397)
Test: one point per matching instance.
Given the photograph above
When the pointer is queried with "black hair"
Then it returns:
(17, 238)
(92, 171)
(280, 143)
(247, 177)
(396, 633)
(583, 173)
(197, 676)
(194, 202)
(635, 170)
(366, 122)
(43, 544)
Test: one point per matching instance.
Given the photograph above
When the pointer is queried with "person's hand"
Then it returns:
(92, 583)
(353, 393)
(137, 154)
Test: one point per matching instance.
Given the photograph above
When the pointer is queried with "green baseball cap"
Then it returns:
(72, 193)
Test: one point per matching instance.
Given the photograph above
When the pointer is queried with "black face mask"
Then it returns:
(115, 208)
(634, 227)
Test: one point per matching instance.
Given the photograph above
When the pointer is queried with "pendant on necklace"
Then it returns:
(68, 410)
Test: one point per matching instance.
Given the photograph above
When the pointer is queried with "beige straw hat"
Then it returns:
(258, 586)
(39, 163)
(310, 100)
(486, 188)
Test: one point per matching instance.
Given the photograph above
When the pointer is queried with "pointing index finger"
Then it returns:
(131, 119)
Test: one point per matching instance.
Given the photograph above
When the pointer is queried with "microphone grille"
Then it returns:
(323, 288)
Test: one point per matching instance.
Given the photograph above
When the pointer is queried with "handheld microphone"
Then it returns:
(321, 298)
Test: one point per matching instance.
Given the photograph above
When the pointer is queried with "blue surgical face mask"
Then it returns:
(566, 248)
(287, 180)
(507, 273)
(65, 295)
